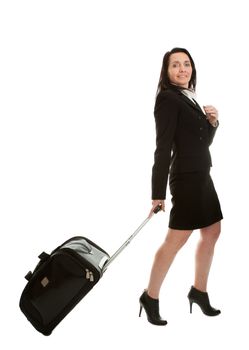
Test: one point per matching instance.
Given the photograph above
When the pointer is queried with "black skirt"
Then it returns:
(195, 203)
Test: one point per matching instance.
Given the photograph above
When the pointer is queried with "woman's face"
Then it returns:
(180, 69)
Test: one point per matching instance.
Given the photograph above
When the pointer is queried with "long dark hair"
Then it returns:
(164, 82)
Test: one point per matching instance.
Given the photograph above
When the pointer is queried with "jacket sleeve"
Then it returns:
(212, 130)
(166, 115)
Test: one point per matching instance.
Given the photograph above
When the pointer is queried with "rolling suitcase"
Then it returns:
(61, 279)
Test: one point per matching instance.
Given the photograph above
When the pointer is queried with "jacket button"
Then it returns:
(200, 138)
(201, 128)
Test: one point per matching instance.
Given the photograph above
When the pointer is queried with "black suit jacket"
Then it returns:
(183, 137)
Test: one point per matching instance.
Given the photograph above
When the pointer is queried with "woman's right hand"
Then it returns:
(155, 203)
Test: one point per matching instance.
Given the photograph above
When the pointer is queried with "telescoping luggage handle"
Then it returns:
(123, 246)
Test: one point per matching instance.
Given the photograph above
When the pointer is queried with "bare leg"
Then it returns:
(204, 255)
(164, 257)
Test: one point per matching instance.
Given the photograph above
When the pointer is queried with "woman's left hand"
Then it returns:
(212, 114)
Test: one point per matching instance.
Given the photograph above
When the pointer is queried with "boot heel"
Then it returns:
(190, 304)
(140, 310)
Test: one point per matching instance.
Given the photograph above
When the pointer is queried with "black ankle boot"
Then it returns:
(202, 299)
(151, 307)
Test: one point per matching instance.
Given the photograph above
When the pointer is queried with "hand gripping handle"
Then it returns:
(157, 208)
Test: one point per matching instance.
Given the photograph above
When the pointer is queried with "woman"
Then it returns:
(184, 133)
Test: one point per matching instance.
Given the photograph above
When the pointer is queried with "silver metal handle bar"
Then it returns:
(128, 241)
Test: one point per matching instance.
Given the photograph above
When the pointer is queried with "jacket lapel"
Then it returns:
(192, 104)
(188, 101)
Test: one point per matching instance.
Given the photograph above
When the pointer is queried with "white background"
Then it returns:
(77, 137)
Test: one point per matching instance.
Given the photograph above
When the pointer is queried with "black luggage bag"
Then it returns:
(61, 279)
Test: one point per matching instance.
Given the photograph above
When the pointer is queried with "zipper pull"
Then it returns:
(87, 274)
(91, 277)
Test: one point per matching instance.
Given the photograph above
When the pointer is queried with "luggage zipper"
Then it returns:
(89, 275)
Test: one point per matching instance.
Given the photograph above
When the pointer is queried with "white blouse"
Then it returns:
(190, 94)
